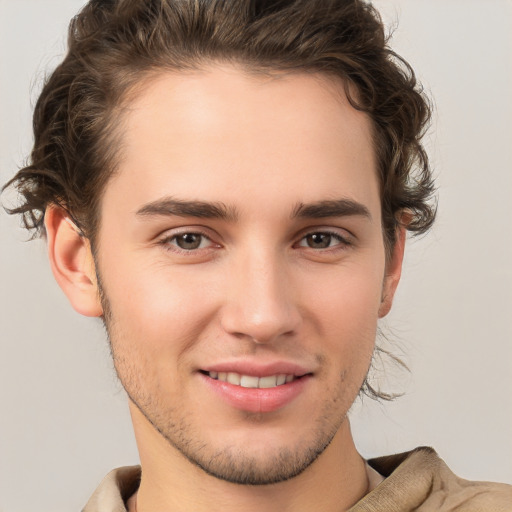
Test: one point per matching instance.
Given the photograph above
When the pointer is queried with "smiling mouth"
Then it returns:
(251, 381)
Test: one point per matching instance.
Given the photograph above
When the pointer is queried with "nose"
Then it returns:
(260, 301)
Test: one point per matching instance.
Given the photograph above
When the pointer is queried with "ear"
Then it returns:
(393, 272)
(71, 262)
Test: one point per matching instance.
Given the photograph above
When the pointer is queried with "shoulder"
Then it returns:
(114, 490)
(420, 480)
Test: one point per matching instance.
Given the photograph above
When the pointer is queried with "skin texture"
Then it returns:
(257, 285)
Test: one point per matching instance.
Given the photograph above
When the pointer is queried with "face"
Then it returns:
(243, 267)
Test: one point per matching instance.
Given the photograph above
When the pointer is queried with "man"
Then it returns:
(228, 185)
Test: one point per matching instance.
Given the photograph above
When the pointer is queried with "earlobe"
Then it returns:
(71, 262)
(393, 272)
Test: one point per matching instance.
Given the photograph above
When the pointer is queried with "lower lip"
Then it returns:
(257, 400)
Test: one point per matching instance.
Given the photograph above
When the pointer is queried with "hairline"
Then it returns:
(145, 78)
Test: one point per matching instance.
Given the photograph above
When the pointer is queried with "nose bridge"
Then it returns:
(260, 304)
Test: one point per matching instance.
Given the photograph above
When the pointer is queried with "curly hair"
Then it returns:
(113, 45)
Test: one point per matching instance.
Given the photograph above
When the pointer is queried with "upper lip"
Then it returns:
(259, 369)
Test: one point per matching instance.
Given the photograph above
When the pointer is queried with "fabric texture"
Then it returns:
(420, 481)
(417, 481)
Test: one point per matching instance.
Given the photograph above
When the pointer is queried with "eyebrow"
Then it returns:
(331, 208)
(201, 209)
(169, 206)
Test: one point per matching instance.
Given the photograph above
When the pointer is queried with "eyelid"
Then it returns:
(345, 238)
(181, 230)
(171, 234)
(340, 233)
(340, 244)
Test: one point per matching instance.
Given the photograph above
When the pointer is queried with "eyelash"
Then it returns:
(343, 242)
(167, 242)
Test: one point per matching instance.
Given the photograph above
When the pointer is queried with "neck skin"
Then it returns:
(333, 483)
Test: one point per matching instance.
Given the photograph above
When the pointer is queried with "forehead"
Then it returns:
(223, 134)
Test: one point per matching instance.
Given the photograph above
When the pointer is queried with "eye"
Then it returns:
(322, 240)
(189, 241)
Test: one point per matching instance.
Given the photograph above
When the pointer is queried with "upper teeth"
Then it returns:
(250, 381)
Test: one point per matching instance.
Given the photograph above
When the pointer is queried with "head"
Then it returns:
(116, 46)
(132, 80)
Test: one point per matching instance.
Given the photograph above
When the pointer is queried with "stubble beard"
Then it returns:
(234, 464)
(230, 464)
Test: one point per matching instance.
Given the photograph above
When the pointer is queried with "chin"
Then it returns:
(239, 467)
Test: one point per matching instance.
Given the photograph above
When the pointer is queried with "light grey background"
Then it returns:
(63, 416)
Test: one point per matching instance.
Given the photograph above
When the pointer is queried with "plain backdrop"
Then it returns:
(63, 416)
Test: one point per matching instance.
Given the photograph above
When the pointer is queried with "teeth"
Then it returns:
(249, 381)
(268, 382)
(234, 378)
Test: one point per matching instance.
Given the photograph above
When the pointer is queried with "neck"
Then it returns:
(333, 483)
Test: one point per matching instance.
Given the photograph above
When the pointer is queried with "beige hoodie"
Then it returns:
(416, 481)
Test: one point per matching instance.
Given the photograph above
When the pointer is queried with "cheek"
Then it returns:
(154, 309)
(349, 299)
(156, 321)
(345, 315)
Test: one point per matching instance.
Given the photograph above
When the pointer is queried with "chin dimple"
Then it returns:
(250, 381)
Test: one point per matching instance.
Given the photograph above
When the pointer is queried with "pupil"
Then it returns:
(189, 241)
(319, 240)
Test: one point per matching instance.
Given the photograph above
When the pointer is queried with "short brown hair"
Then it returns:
(114, 44)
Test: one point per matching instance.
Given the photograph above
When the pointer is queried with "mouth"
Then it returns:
(252, 381)
(264, 392)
